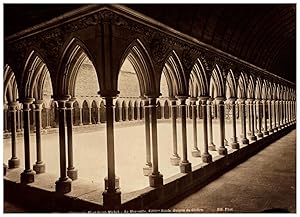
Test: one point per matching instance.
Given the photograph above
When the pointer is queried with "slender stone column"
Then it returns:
(249, 118)
(195, 151)
(39, 166)
(252, 136)
(220, 102)
(274, 112)
(206, 157)
(47, 118)
(175, 159)
(278, 114)
(98, 115)
(185, 165)
(255, 116)
(112, 194)
(63, 184)
(258, 111)
(286, 112)
(14, 162)
(270, 116)
(90, 115)
(147, 170)
(5, 117)
(265, 131)
(234, 143)
(72, 172)
(80, 117)
(243, 121)
(27, 176)
(18, 110)
(211, 145)
(155, 179)
(33, 117)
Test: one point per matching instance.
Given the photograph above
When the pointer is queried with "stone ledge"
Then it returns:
(86, 196)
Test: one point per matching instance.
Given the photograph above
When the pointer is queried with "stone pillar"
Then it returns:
(274, 105)
(5, 118)
(211, 145)
(72, 173)
(185, 165)
(252, 136)
(195, 151)
(258, 111)
(112, 194)
(27, 176)
(33, 117)
(206, 157)
(255, 116)
(14, 162)
(147, 170)
(234, 143)
(80, 117)
(175, 159)
(63, 184)
(155, 179)
(249, 118)
(265, 131)
(270, 116)
(47, 118)
(220, 103)
(19, 127)
(98, 115)
(243, 121)
(39, 166)
(90, 115)
(278, 114)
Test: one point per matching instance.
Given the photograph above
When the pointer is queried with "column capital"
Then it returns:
(193, 99)
(61, 98)
(250, 100)
(109, 94)
(182, 100)
(232, 100)
(26, 101)
(12, 106)
(204, 98)
(70, 102)
(220, 98)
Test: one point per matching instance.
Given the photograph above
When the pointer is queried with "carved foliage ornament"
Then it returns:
(158, 48)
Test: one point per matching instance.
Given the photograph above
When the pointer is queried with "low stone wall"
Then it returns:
(36, 198)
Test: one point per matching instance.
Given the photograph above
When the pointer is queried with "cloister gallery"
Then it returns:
(100, 65)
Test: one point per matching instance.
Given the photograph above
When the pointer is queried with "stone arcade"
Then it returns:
(203, 82)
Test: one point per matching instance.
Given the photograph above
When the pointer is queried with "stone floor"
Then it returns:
(90, 151)
(264, 183)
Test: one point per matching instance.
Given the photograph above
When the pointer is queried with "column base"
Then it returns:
(235, 145)
(39, 167)
(185, 167)
(13, 163)
(27, 176)
(266, 133)
(147, 170)
(63, 185)
(18, 130)
(112, 200)
(206, 158)
(271, 131)
(72, 174)
(117, 183)
(249, 133)
(222, 151)
(196, 152)
(212, 147)
(156, 180)
(253, 138)
(245, 141)
(260, 135)
(4, 169)
(175, 160)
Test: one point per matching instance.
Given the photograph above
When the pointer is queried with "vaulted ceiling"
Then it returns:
(262, 34)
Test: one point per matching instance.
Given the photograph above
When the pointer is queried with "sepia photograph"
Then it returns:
(149, 108)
